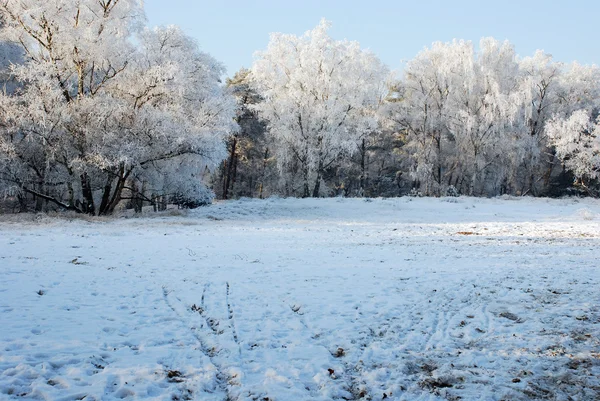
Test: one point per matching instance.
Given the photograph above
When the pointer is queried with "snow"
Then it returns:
(287, 299)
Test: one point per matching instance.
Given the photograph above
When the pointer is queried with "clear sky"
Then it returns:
(395, 30)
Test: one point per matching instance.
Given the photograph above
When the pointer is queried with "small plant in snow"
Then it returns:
(452, 191)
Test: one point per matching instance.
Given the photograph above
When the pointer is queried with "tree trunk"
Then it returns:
(534, 189)
(162, 205)
(439, 165)
(142, 195)
(71, 192)
(105, 195)
(116, 198)
(225, 184)
(550, 168)
(234, 174)
(229, 167)
(362, 168)
(264, 170)
(39, 201)
(138, 201)
(22, 198)
(88, 196)
(118, 190)
(306, 191)
(317, 186)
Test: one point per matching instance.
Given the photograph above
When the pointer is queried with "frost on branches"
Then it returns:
(476, 120)
(577, 143)
(107, 109)
(320, 97)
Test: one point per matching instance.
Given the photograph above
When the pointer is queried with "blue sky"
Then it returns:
(231, 31)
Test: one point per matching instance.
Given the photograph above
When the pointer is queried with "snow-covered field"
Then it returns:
(399, 299)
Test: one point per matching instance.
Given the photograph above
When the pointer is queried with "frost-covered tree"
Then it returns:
(248, 167)
(10, 54)
(420, 108)
(456, 107)
(476, 119)
(105, 102)
(540, 85)
(577, 143)
(190, 113)
(319, 97)
(481, 118)
(548, 89)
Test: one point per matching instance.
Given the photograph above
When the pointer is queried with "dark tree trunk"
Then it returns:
(138, 204)
(106, 195)
(225, 184)
(363, 154)
(39, 201)
(115, 198)
(88, 196)
(235, 169)
(549, 170)
(229, 167)
(162, 203)
(306, 191)
(137, 195)
(264, 171)
(317, 187)
(439, 164)
(22, 198)
(71, 193)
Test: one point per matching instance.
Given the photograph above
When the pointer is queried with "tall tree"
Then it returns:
(420, 108)
(482, 116)
(540, 86)
(577, 142)
(243, 172)
(317, 96)
(105, 101)
(456, 106)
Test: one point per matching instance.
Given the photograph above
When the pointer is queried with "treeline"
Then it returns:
(99, 112)
(459, 120)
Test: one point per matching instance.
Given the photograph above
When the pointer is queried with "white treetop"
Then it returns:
(320, 95)
(577, 142)
(457, 107)
(106, 100)
(97, 108)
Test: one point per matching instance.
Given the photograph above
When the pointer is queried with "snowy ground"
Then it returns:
(399, 299)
